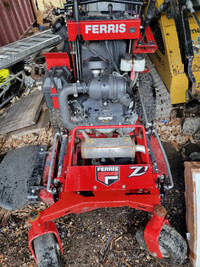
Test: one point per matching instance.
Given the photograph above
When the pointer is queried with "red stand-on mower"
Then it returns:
(106, 152)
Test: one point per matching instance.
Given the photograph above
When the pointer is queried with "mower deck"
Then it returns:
(80, 186)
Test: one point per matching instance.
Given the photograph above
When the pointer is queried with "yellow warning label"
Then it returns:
(3, 75)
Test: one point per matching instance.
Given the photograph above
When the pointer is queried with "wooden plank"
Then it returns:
(23, 113)
(41, 125)
(192, 200)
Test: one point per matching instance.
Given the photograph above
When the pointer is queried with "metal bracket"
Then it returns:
(35, 182)
(60, 160)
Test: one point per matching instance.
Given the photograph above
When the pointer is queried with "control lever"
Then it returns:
(149, 16)
(110, 9)
(189, 5)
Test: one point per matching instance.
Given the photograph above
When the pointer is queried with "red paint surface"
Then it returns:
(131, 23)
(56, 59)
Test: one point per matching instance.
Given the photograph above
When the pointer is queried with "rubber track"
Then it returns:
(55, 120)
(147, 95)
(163, 102)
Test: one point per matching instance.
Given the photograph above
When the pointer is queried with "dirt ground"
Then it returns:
(105, 237)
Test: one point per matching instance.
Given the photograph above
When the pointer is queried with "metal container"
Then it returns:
(16, 16)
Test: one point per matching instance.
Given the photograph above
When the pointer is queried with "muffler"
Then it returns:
(120, 147)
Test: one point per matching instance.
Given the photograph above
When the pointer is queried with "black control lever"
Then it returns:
(189, 5)
(110, 9)
(149, 16)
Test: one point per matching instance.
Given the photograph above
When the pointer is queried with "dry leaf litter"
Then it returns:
(104, 237)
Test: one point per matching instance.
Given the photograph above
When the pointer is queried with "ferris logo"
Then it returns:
(107, 175)
(103, 28)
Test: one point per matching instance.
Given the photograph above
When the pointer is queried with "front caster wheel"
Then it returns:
(47, 251)
(172, 245)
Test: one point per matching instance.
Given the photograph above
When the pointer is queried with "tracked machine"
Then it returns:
(105, 152)
(176, 27)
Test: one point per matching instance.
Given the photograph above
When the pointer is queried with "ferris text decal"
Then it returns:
(103, 28)
(138, 171)
(107, 175)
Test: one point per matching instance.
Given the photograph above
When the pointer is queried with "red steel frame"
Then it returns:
(56, 59)
(140, 192)
(90, 30)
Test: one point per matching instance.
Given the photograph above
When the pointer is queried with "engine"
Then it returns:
(107, 100)
(102, 99)
(102, 94)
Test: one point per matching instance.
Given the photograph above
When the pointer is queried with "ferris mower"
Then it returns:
(105, 152)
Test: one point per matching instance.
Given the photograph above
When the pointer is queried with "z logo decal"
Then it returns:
(138, 171)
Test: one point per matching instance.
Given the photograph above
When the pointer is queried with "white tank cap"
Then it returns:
(139, 63)
(126, 62)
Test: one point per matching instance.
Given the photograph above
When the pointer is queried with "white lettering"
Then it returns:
(122, 28)
(95, 28)
(111, 27)
(87, 28)
(138, 171)
(103, 28)
(108, 169)
(117, 28)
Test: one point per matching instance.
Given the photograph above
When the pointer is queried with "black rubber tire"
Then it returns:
(148, 96)
(47, 251)
(55, 120)
(140, 237)
(172, 245)
(15, 173)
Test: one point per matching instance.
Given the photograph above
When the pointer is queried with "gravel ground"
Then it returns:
(105, 237)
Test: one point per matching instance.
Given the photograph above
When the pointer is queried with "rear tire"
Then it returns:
(47, 251)
(172, 245)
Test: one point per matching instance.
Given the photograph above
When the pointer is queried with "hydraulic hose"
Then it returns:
(111, 57)
(189, 5)
(71, 89)
(196, 19)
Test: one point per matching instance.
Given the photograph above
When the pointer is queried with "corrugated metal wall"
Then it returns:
(16, 16)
